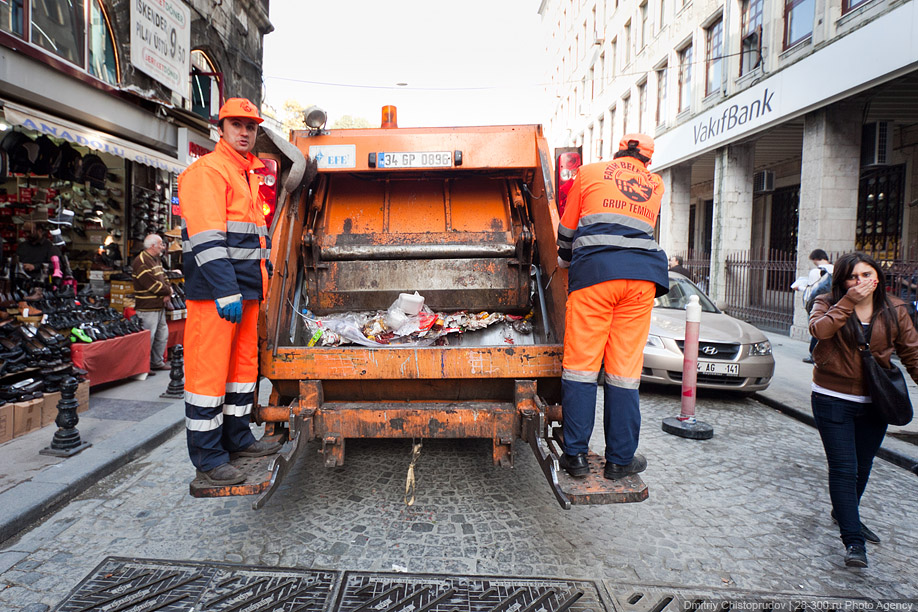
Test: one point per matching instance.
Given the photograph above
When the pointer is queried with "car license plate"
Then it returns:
(415, 159)
(724, 369)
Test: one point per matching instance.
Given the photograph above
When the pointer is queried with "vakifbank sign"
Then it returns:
(161, 40)
(879, 51)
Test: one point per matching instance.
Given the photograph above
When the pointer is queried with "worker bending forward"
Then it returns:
(616, 270)
(225, 252)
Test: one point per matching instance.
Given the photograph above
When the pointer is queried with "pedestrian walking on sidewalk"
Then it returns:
(616, 270)
(151, 290)
(819, 280)
(225, 260)
(849, 425)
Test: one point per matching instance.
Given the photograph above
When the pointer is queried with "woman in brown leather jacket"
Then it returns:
(850, 429)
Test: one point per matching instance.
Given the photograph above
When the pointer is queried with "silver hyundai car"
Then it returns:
(732, 354)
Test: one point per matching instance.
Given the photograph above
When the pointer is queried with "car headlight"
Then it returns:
(760, 348)
(655, 341)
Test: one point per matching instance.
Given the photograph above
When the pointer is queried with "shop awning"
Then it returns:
(83, 136)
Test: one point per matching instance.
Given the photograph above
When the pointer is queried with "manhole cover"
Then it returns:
(637, 598)
(386, 592)
(135, 585)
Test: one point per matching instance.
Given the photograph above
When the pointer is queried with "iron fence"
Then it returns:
(758, 287)
(758, 283)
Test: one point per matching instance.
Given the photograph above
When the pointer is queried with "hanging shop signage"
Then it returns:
(869, 55)
(86, 137)
(161, 42)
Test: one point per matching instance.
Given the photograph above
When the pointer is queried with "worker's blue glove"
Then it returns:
(230, 308)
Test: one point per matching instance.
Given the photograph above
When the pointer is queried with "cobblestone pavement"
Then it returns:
(747, 510)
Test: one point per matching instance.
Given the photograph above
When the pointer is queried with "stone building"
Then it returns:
(780, 126)
(134, 83)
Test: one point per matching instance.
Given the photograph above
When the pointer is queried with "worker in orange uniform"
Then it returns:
(616, 269)
(225, 260)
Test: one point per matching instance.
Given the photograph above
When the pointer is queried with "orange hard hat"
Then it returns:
(239, 107)
(643, 142)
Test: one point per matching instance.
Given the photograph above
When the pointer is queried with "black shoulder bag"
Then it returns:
(886, 386)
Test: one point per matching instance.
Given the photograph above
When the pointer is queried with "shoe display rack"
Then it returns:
(86, 218)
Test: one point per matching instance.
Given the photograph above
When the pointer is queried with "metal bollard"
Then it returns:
(66, 441)
(686, 425)
(176, 388)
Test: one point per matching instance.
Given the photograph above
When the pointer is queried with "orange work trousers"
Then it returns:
(605, 324)
(221, 369)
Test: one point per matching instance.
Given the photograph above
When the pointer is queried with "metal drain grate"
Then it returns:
(387, 592)
(135, 585)
(635, 598)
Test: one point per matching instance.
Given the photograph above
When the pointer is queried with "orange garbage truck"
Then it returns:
(415, 295)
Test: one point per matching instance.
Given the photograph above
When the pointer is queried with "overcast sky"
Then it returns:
(465, 63)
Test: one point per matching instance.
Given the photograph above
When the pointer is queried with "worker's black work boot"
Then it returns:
(223, 475)
(575, 465)
(613, 471)
(259, 449)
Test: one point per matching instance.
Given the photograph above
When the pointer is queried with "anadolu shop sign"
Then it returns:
(83, 136)
(161, 42)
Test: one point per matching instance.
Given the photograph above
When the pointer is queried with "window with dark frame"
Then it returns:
(77, 31)
(662, 73)
(685, 78)
(713, 56)
(642, 105)
(798, 21)
(848, 5)
(751, 43)
(626, 102)
(644, 16)
(626, 41)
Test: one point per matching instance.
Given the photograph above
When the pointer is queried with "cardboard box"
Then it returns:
(96, 275)
(49, 408)
(6, 423)
(27, 416)
(121, 287)
(82, 396)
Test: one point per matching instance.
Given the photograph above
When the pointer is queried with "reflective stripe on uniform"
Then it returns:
(204, 424)
(246, 227)
(211, 254)
(206, 236)
(238, 387)
(646, 244)
(617, 219)
(243, 254)
(237, 410)
(622, 382)
(579, 376)
(204, 401)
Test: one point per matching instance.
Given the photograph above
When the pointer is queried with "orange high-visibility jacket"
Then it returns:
(607, 228)
(224, 237)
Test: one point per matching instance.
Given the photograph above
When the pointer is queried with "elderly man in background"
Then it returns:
(151, 291)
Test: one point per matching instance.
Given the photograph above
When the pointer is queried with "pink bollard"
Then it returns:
(690, 360)
(685, 425)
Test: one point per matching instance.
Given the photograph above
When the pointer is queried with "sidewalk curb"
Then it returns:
(890, 450)
(29, 502)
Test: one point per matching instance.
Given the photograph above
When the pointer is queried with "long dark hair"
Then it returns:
(843, 269)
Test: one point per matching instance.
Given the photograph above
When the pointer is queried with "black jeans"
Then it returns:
(851, 436)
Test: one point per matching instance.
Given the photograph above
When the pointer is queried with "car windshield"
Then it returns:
(680, 290)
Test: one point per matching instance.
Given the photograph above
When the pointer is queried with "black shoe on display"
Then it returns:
(575, 465)
(613, 471)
